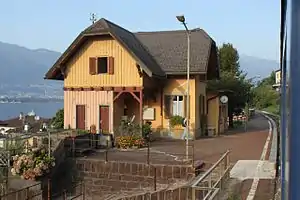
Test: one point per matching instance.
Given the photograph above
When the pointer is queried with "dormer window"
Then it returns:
(101, 65)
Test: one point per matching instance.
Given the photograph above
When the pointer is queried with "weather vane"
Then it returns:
(93, 18)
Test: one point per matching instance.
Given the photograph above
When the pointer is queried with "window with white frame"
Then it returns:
(177, 106)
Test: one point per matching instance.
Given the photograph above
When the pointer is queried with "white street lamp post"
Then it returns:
(182, 20)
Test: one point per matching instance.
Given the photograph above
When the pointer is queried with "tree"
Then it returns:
(229, 60)
(232, 80)
(269, 80)
(58, 119)
(264, 95)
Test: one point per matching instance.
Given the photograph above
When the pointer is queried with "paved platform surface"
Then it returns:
(246, 169)
(243, 145)
(257, 176)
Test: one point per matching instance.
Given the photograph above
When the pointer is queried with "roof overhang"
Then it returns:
(56, 72)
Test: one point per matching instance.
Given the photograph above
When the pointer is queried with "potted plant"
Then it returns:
(176, 126)
(176, 121)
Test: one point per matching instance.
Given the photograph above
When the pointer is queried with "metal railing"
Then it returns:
(33, 192)
(207, 186)
(76, 191)
(89, 144)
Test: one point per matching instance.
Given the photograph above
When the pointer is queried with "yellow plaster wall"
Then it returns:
(172, 87)
(200, 89)
(214, 114)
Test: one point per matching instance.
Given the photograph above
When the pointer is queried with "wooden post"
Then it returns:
(27, 193)
(73, 146)
(193, 156)
(148, 152)
(65, 194)
(106, 152)
(83, 190)
(193, 193)
(154, 178)
(49, 189)
(141, 109)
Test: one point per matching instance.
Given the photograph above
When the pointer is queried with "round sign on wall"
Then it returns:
(223, 99)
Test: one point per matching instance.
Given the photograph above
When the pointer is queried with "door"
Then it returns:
(80, 117)
(104, 118)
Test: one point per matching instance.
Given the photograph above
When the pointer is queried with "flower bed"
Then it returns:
(127, 142)
(32, 165)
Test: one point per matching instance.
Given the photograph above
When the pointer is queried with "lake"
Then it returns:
(11, 110)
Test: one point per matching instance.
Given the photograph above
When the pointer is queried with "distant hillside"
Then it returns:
(257, 66)
(21, 66)
(24, 66)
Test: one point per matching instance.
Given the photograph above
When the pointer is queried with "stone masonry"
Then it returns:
(102, 178)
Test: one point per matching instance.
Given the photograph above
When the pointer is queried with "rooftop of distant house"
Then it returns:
(17, 123)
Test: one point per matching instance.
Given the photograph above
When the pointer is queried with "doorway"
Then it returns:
(80, 117)
(104, 119)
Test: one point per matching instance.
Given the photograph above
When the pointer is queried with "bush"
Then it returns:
(146, 130)
(58, 120)
(128, 128)
(81, 132)
(238, 123)
(126, 142)
(176, 120)
(32, 165)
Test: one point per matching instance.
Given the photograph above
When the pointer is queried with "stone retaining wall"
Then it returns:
(23, 190)
(101, 177)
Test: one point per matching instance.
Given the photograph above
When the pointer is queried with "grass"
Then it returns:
(234, 196)
(272, 109)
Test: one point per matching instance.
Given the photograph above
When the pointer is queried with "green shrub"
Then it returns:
(81, 132)
(128, 128)
(58, 120)
(176, 120)
(237, 123)
(146, 130)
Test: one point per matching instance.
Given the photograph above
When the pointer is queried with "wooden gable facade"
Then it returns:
(102, 62)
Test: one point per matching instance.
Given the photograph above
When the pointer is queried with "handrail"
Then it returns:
(20, 190)
(216, 191)
(208, 172)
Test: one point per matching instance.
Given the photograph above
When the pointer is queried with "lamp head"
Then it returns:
(181, 18)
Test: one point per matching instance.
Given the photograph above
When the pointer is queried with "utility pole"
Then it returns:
(93, 18)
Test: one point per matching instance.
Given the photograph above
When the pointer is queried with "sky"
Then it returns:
(252, 26)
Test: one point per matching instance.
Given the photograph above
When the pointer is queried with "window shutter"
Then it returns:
(93, 65)
(111, 65)
(168, 106)
(185, 105)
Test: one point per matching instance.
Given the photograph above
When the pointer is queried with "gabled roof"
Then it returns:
(169, 48)
(158, 53)
(123, 36)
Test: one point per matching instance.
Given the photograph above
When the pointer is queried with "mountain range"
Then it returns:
(23, 70)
